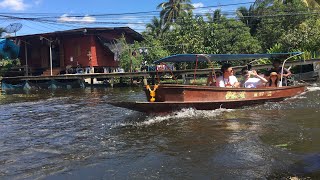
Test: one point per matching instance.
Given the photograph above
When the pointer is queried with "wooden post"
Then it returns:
(152, 79)
(90, 61)
(316, 68)
(145, 81)
(26, 57)
(133, 53)
(50, 50)
(184, 80)
(112, 82)
(130, 55)
(105, 70)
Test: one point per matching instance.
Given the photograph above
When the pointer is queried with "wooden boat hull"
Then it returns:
(174, 97)
(163, 107)
(193, 93)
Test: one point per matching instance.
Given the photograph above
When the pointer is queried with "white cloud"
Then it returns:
(17, 5)
(198, 5)
(88, 19)
(84, 19)
(200, 10)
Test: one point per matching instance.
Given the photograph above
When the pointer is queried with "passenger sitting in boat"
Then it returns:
(278, 68)
(210, 80)
(273, 80)
(227, 79)
(252, 82)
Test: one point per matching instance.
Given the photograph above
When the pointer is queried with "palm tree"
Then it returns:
(174, 9)
(156, 28)
(243, 14)
(248, 17)
(217, 15)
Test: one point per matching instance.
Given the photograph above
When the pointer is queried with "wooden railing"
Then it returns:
(148, 73)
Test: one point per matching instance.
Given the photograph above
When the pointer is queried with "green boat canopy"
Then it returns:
(222, 57)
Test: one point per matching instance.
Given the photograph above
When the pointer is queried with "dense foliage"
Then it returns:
(267, 26)
(7, 64)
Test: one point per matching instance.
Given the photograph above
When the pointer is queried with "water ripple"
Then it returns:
(76, 134)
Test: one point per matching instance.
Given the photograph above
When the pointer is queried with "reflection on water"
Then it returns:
(76, 134)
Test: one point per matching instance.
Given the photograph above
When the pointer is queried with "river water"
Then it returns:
(76, 134)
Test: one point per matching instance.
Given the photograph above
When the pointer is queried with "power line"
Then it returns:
(120, 14)
(4, 17)
(34, 28)
(72, 21)
(111, 19)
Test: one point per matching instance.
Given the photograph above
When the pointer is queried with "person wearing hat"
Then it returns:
(277, 68)
(274, 80)
(251, 79)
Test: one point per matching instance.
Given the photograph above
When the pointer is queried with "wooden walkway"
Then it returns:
(147, 74)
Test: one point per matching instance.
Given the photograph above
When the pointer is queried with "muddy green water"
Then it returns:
(76, 134)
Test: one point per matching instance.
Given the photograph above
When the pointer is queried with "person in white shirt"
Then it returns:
(227, 79)
(252, 82)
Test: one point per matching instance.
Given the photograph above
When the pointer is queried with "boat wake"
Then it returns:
(187, 113)
(313, 88)
(299, 96)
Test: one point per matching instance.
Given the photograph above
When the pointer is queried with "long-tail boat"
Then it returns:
(171, 97)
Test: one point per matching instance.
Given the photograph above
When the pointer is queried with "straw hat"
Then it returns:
(275, 74)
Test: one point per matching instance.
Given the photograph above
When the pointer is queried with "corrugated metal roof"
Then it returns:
(85, 30)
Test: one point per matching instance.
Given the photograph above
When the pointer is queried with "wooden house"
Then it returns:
(61, 51)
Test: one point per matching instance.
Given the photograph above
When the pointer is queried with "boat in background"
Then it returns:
(163, 98)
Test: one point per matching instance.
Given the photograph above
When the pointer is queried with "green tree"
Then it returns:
(194, 35)
(129, 59)
(174, 9)
(152, 49)
(231, 36)
(7, 64)
(132, 55)
(305, 37)
(186, 36)
(272, 27)
(216, 17)
(313, 4)
(250, 17)
(156, 28)
(309, 3)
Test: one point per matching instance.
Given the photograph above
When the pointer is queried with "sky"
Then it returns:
(58, 15)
